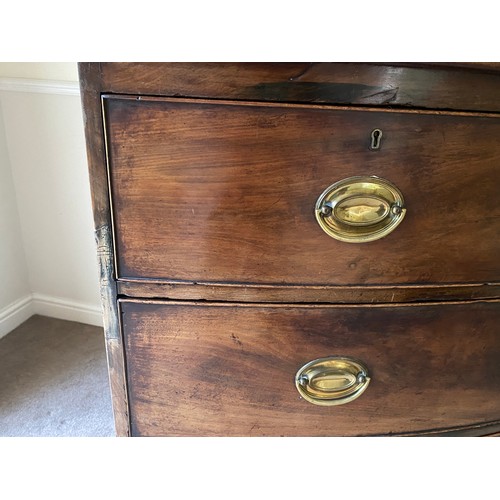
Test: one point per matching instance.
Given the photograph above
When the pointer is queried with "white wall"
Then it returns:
(45, 147)
(15, 293)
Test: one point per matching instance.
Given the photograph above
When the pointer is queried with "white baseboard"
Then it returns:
(15, 313)
(57, 307)
(22, 309)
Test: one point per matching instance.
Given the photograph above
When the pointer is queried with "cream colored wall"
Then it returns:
(45, 146)
(64, 71)
(14, 282)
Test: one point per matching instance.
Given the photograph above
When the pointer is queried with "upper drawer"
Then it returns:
(225, 191)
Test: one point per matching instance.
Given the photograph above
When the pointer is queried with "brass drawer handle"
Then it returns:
(332, 381)
(360, 209)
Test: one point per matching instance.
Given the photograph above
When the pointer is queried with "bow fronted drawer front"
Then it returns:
(231, 192)
(230, 369)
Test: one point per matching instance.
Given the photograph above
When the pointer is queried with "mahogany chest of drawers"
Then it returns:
(298, 249)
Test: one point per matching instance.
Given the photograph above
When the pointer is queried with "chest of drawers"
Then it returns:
(298, 249)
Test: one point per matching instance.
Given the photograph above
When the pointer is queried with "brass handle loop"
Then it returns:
(360, 209)
(331, 381)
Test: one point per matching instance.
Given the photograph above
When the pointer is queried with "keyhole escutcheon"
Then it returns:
(376, 139)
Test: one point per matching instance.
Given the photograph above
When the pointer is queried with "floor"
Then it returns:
(54, 381)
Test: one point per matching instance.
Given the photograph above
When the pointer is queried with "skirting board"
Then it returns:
(55, 307)
(15, 313)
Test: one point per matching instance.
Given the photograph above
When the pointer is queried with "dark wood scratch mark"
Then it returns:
(236, 340)
(302, 73)
(390, 93)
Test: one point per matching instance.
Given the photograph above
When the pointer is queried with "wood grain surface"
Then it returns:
(313, 294)
(223, 192)
(228, 369)
(458, 86)
(90, 83)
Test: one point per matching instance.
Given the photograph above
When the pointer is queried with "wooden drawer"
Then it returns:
(204, 191)
(228, 369)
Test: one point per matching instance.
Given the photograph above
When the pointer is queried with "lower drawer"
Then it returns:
(202, 369)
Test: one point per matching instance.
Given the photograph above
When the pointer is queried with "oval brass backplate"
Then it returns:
(360, 209)
(332, 381)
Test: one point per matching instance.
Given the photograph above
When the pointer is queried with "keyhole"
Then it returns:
(376, 139)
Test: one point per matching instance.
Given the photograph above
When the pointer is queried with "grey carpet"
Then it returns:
(54, 381)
